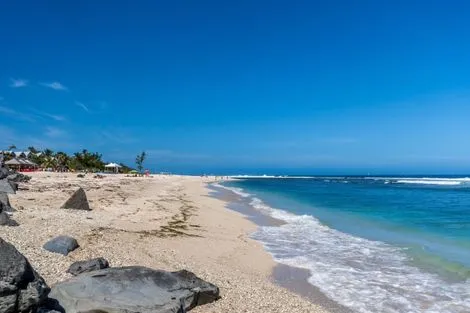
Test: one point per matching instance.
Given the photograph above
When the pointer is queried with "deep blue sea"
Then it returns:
(373, 244)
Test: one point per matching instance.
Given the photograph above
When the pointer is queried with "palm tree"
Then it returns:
(62, 160)
(12, 147)
(47, 159)
(139, 161)
(48, 152)
(88, 161)
(32, 150)
(49, 162)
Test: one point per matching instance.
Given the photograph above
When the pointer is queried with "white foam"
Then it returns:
(238, 191)
(444, 181)
(430, 182)
(366, 276)
(271, 176)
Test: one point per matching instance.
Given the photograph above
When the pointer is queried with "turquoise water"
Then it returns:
(389, 244)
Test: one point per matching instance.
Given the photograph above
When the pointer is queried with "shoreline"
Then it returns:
(292, 278)
(162, 222)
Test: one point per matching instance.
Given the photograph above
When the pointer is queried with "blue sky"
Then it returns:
(211, 86)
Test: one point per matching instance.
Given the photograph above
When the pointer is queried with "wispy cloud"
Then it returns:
(117, 135)
(55, 86)
(83, 106)
(6, 110)
(8, 136)
(338, 140)
(55, 117)
(49, 137)
(15, 114)
(308, 142)
(17, 83)
(58, 118)
(54, 132)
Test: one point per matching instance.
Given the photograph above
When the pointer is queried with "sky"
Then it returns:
(241, 87)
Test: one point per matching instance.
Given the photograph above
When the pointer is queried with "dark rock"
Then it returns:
(5, 203)
(51, 306)
(81, 176)
(21, 288)
(88, 266)
(4, 199)
(4, 172)
(7, 187)
(19, 178)
(61, 244)
(12, 177)
(78, 201)
(133, 290)
(5, 220)
(47, 310)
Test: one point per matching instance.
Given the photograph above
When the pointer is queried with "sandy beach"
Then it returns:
(162, 222)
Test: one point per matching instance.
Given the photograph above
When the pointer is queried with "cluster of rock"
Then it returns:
(8, 185)
(95, 287)
(21, 288)
(98, 288)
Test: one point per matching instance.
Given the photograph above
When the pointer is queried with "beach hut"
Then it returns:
(21, 164)
(14, 164)
(113, 167)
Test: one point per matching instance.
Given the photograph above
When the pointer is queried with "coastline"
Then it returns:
(292, 278)
(133, 222)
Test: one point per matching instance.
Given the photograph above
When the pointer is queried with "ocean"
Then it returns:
(372, 244)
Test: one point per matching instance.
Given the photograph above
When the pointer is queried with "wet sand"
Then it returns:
(291, 278)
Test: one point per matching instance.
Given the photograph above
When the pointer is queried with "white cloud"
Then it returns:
(6, 110)
(55, 117)
(83, 106)
(17, 83)
(15, 114)
(58, 118)
(55, 86)
(117, 135)
(54, 132)
(338, 140)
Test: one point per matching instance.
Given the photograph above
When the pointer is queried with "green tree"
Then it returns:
(139, 161)
(32, 150)
(47, 159)
(33, 155)
(86, 160)
(124, 168)
(12, 147)
(62, 160)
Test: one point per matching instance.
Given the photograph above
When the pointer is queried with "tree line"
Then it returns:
(79, 161)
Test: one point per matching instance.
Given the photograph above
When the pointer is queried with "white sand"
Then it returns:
(162, 222)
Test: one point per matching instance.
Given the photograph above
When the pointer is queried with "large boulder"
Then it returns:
(78, 201)
(21, 288)
(4, 172)
(5, 220)
(19, 178)
(61, 244)
(7, 187)
(5, 203)
(4, 199)
(88, 266)
(132, 289)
